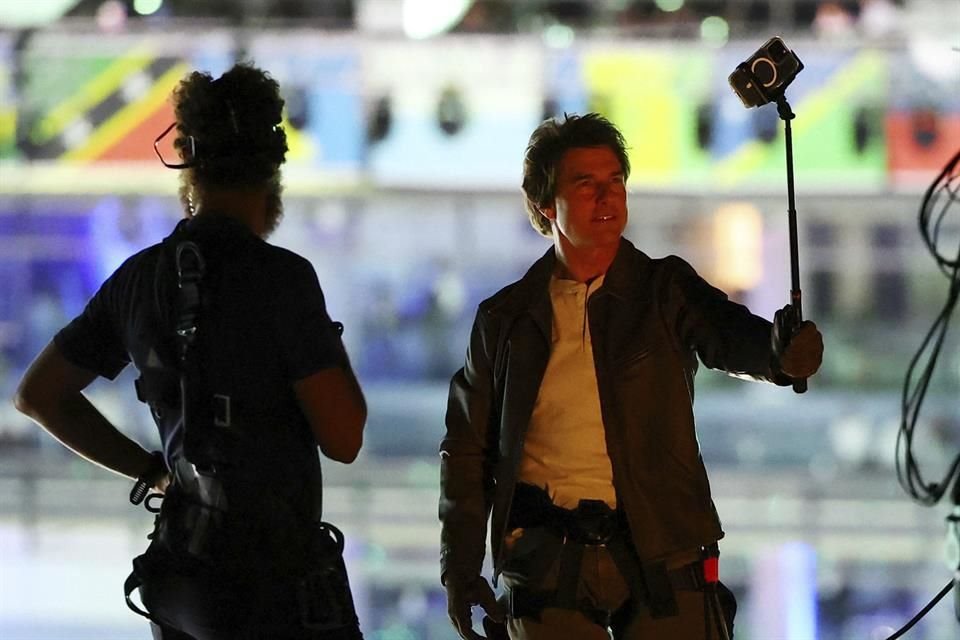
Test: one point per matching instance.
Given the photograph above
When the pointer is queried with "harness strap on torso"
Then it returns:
(158, 384)
(190, 270)
(568, 579)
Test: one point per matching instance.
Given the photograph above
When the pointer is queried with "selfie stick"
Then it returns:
(786, 114)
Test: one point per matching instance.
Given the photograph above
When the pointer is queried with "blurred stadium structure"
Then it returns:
(406, 134)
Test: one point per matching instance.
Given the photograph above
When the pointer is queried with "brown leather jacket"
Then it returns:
(649, 322)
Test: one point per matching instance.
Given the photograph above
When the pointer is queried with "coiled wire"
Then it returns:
(942, 197)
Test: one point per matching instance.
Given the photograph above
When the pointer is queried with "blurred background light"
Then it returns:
(558, 36)
(715, 31)
(669, 5)
(428, 18)
(20, 14)
(112, 16)
(147, 7)
(788, 604)
(936, 59)
(738, 246)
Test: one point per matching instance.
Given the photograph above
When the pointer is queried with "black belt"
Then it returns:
(592, 522)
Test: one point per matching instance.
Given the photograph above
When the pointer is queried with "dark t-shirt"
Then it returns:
(263, 325)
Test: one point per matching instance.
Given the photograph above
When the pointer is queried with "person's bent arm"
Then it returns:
(51, 394)
(333, 403)
(467, 453)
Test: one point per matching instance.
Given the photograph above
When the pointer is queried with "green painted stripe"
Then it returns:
(101, 87)
(126, 119)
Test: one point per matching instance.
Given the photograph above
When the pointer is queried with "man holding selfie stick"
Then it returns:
(571, 425)
(761, 79)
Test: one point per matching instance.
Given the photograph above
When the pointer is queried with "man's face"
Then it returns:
(590, 207)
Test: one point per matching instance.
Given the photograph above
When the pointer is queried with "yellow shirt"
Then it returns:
(565, 450)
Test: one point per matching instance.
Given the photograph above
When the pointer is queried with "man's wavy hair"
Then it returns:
(235, 124)
(548, 143)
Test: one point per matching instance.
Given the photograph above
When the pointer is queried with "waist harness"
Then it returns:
(594, 523)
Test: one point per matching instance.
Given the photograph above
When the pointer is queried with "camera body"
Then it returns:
(765, 74)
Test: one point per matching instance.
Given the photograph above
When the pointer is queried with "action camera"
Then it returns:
(763, 77)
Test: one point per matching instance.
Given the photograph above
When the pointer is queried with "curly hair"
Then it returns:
(548, 143)
(235, 125)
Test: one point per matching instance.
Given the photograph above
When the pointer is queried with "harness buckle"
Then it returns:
(592, 523)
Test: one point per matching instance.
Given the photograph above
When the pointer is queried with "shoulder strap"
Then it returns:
(158, 384)
(190, 271)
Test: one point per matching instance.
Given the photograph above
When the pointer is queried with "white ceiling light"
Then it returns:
(428, 18)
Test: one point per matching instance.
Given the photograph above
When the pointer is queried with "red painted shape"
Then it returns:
(909, 159)
(137, 145)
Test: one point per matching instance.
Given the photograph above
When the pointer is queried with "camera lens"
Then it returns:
(765, 71)
(778, 51)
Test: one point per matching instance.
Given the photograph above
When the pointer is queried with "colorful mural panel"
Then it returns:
(94, 107)
(922, 122)
(321, 84)
(452, 114)
(456, 112)
(838, 137)
(654, 95)
(8, 109)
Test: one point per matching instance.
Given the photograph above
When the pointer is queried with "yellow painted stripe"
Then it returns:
(93, 93)
(126, 119)
(847, 81)
(300, 146)
(8, 125)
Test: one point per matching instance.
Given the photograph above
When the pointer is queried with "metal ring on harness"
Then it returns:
(148, 504)
(335, 534)
(190, 270)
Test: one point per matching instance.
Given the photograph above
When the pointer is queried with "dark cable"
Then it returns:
(923, 612)
(945, 188)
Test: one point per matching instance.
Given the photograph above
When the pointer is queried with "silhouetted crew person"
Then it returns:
(245, 374)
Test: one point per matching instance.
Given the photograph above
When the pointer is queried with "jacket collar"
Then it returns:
(628, 268)
(532, 292)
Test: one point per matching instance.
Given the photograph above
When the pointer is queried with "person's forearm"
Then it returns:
(79, 426)
(358, 398)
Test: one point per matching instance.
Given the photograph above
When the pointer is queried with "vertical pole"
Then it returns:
(786, 114)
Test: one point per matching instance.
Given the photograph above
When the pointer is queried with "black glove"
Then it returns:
(797, 346)
(495, 630)
(465, 593)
